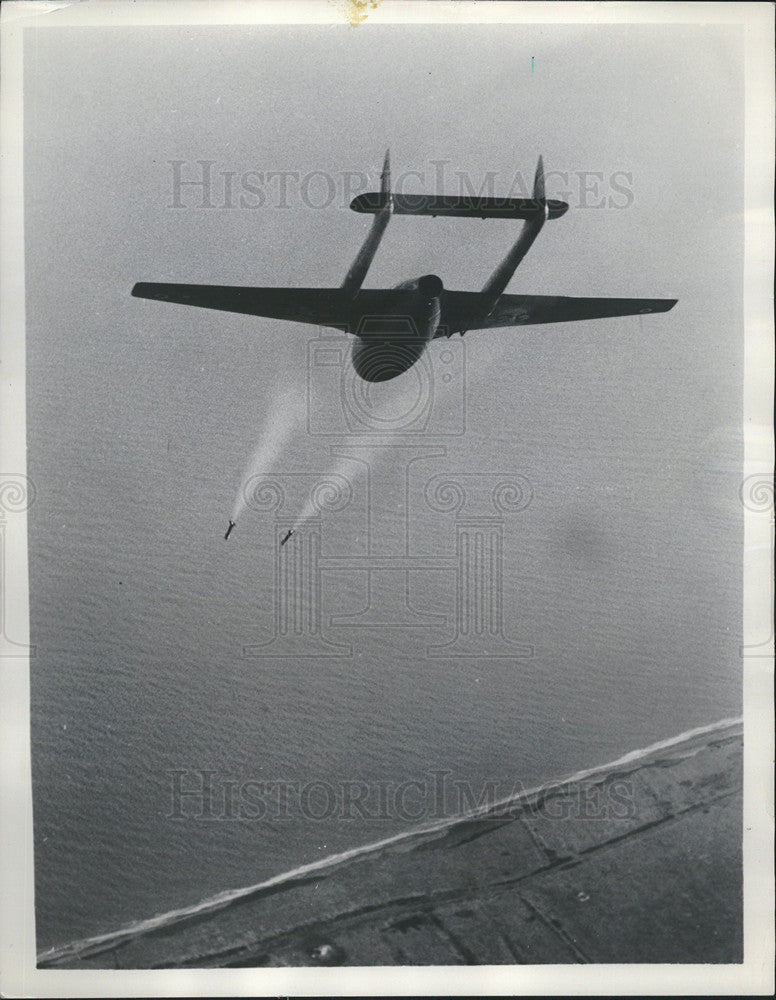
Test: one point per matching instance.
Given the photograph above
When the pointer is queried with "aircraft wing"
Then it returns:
(336, 307)
(324, 306)
(469, 310)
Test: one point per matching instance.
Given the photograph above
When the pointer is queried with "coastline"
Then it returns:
(532, 878)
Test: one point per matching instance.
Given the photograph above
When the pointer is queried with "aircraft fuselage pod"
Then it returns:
(386, 346)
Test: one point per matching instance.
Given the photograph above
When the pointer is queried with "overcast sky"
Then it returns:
(112, 107)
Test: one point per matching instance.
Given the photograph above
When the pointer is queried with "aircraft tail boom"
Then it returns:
(501, 277)
(354, 279)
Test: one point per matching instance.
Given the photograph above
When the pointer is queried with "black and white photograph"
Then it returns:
(387, 498)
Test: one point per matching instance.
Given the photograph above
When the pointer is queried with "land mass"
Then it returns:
(638, 861)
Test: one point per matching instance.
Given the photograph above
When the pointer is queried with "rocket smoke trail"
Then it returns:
(286, 415)
(337, 472)
(385, 410)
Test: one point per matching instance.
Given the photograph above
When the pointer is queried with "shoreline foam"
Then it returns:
(95, 945)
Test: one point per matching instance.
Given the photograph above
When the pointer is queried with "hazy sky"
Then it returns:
(108, 109)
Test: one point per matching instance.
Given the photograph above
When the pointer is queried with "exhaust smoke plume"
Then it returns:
(384, 409)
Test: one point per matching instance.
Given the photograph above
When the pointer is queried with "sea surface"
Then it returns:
(618, 581)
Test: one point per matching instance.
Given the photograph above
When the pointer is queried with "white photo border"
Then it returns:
(20, 977)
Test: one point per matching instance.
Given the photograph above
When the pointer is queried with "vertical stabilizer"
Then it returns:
(358, 269)
(538, 191)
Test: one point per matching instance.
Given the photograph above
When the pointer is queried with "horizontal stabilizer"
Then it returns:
(468, 206)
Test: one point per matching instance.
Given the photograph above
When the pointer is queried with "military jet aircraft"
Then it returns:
(393, 326)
